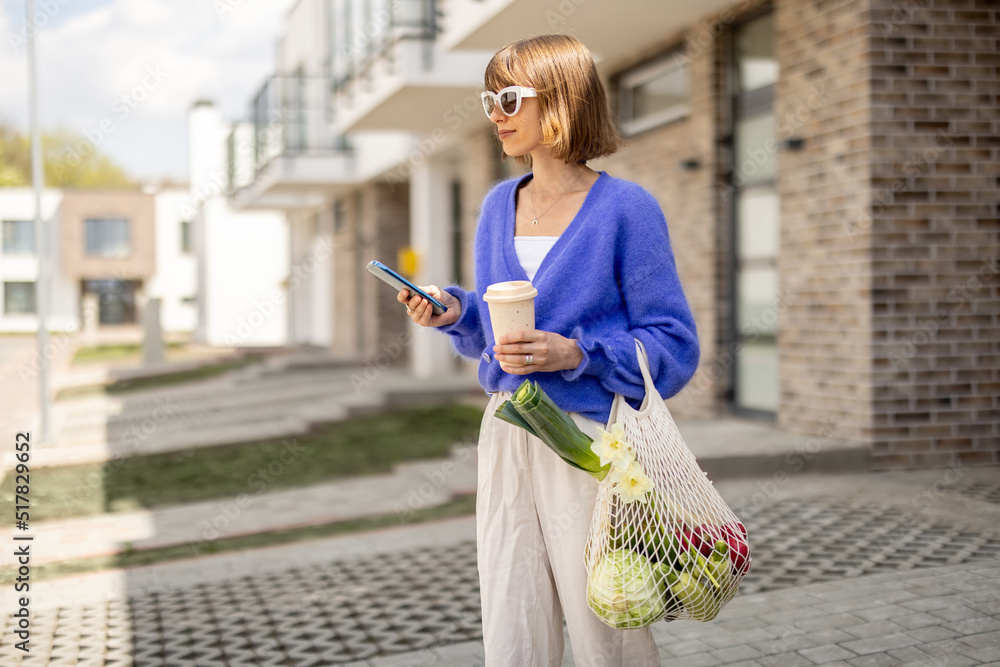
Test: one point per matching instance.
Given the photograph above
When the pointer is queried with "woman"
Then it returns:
(597, 250)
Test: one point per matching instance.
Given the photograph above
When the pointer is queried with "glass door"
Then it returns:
(755, 218)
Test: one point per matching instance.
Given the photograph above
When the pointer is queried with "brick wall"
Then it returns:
(889, 291)
(934, 225)
(136, 207)
(824, 338)
(346, 304)
(390, 213)
(691, 203)
(367, 320)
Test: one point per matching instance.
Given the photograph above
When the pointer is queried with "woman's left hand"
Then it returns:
(546, 352)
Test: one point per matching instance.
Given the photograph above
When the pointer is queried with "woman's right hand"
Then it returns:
(420, 310)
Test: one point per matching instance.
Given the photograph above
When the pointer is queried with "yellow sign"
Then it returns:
(408, 261)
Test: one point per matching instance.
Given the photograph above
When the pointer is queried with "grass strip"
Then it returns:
(463, 505)
(159, 380)
(91, 353)
(358, 446)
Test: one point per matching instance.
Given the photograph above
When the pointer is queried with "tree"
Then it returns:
(69, 160)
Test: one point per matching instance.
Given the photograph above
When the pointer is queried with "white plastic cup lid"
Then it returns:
(510, 291)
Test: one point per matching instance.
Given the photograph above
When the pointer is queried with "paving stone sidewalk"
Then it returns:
(937, 617)
(290, 605)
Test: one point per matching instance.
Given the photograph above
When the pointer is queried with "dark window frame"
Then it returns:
(627, 81)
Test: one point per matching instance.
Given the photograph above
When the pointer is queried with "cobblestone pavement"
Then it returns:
(833, 582)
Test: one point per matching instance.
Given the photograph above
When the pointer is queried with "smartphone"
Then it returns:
(390, 277)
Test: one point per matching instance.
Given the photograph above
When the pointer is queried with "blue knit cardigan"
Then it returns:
(609, 278)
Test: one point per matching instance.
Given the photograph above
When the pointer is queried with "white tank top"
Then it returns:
(531, 250)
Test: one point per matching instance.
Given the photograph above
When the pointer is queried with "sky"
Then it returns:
(126, 72)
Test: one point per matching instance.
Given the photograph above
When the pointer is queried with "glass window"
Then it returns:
(340, 47)
(186, 236)
(19, 298)
(758, 387)
(116, 298)
(757, 307)
(654, 94)
(754, 44)
(18, 237)
(756, 151)
(106, 237)
(758, 219)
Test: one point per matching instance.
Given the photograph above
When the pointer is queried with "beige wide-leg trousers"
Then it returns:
(533, 512)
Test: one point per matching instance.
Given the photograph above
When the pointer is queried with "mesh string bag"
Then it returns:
(663, 544)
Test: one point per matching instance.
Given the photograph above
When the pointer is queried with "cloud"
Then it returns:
(152, 57)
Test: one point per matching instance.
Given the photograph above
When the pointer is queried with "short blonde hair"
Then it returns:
(576, 120)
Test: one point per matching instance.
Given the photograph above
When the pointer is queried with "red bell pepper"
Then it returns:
(735, 535)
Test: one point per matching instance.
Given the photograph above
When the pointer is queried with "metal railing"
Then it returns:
(360, 46)
(289, 116)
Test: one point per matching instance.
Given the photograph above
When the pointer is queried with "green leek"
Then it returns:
(531, 409)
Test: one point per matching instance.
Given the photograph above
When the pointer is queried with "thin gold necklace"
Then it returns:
(534, 223)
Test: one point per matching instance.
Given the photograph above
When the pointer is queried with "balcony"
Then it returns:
(391, 74)
(287, 155)
(612, 30)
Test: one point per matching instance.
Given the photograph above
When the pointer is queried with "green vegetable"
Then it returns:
(531, 409)
(720, 568)
(625, 590)
(648, 531)
(697, 598)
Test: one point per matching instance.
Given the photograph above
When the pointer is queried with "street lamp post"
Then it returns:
(41, 238)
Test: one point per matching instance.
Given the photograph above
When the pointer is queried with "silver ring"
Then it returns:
(528, 359)
(408, 311)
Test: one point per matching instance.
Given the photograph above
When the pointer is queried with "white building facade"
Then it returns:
(221, 276)
(243, 256)
(83, 229)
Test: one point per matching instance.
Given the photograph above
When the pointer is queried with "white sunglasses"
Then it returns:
(509, 99)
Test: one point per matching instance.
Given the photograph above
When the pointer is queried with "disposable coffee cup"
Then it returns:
(512, 306)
